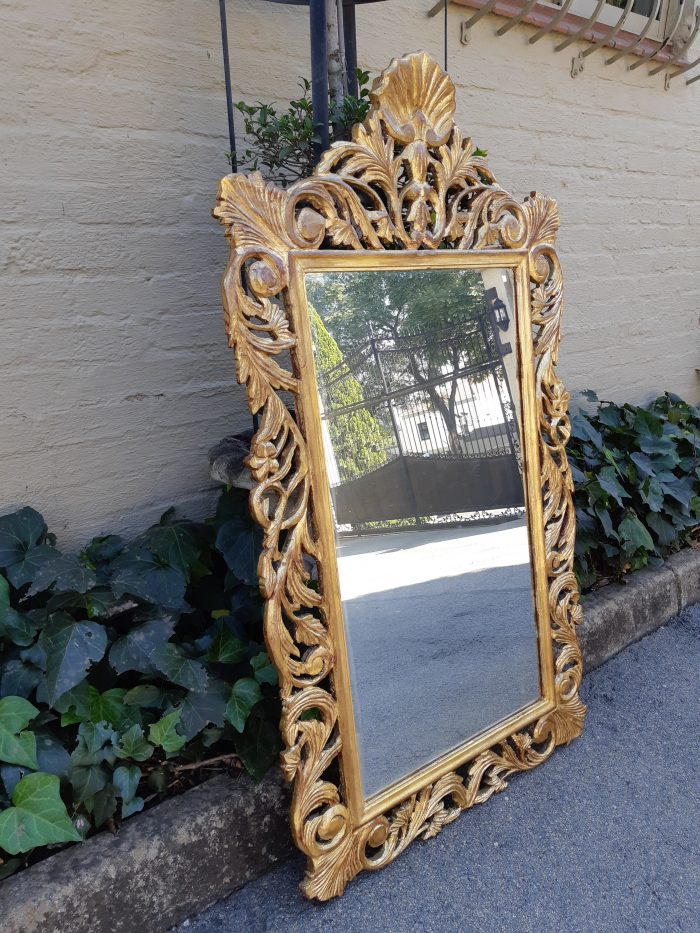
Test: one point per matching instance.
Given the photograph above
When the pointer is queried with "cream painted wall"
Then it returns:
(115, 374)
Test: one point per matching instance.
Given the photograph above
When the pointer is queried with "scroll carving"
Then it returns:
(407, 179)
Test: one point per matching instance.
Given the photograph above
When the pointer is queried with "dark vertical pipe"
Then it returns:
(319, 72)
(447, 3)
(229, 110)
(350, 46)
(227, 80)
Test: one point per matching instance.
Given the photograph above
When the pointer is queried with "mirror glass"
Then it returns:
(418, 393)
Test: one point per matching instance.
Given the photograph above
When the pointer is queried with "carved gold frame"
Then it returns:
(406, 185)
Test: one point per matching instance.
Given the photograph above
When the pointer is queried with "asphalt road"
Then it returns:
(441, 640)
(602, 838)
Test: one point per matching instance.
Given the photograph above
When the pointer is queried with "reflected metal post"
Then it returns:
(395, 426)
(494, 367)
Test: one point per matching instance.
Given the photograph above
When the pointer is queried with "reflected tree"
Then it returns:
(429, 322)
(358, 439)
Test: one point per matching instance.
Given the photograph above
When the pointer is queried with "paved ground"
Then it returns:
(603, 838)
(435, 619)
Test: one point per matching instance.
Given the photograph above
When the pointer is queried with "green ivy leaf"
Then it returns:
(75, 703)
(145, 695)
(174, 664)
(16, 745)
(175, 543)
(652, 493)
(133, 806)
(70, 648)
(200, 709)
(32, 564)
(244, 695)
(134, 652)
(108, 706)
(126, 780)
(19, 678)
(19, 532)
(240, 545)
(259, 746)
(95, 743)
(133, 745)
(264, 670)
(634, 534)
(51, 755)
(11, 775)
(610, 483)
(103, 549)
(103, 805)
(225, 647)
(147, 650)
(681, 490)
(95, 603)
(659, 445)
(164, 733)
(140, 573)
(37, 817)
(663, 529)
(609, 415)
(605, 521)
(582, 429)
(14, 626)
(95, 747)
(9, 867)
(61, 571)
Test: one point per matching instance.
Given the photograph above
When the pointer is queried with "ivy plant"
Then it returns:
(636, 473)
(127, 671)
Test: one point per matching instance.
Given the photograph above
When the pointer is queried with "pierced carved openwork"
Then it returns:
(409, 181)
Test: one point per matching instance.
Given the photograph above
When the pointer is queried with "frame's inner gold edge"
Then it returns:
(300, 262)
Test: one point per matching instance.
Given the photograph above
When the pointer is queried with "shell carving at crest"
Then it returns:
(407, 179)
(417, 100)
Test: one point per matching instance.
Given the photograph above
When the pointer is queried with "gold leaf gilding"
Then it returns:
(407, 179)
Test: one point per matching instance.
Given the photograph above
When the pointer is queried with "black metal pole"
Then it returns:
(349, 31)
(447, 3)
(227, 81)
(319, 72)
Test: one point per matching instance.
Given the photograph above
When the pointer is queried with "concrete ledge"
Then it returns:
(622, 613)
(164, 865)
(184, 855)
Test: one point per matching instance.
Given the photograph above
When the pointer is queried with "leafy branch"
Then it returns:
(281, 143)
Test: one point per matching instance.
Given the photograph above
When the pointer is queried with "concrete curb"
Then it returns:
(164, 865)
(622, 613)
(184, 855)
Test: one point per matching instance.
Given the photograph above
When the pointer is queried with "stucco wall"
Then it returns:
(115, 374)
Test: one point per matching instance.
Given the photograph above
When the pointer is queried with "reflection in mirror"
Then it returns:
(419, 402)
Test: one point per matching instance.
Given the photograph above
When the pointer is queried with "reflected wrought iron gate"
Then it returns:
(422, 427)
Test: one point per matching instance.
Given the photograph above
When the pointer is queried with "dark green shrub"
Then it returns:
(281, 144)
(637, 476)
(125, 671)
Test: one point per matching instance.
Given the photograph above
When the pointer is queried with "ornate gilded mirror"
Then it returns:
(395, 320)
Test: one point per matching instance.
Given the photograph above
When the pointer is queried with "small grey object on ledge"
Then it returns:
(226, 461)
